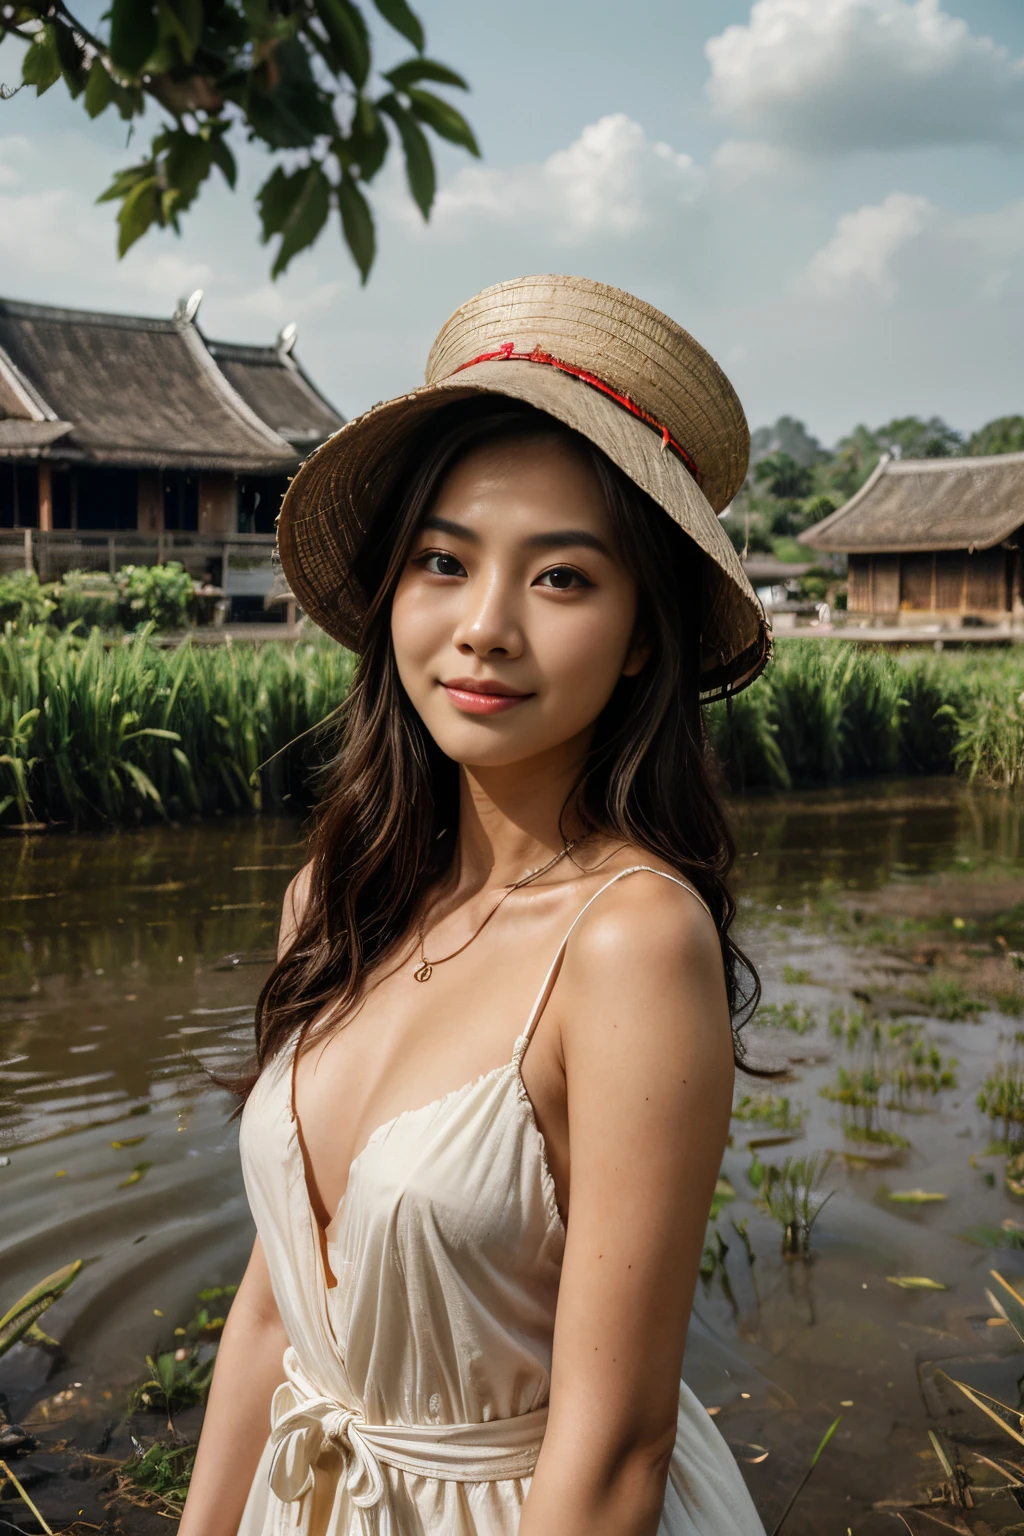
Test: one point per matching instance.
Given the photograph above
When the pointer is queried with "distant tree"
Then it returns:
(783, 477)
(909, 437)
(293, 76)
(790, 436)
(816, 509)
(1004, 435)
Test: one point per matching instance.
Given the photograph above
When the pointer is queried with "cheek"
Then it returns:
(582, 652)
(417, 627)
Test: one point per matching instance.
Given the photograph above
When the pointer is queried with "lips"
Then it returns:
(476, 696)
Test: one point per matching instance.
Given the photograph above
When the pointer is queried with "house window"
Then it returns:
(19, 496)
(259, 502)
(107, 499)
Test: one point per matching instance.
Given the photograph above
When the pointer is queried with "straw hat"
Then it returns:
(598, 360)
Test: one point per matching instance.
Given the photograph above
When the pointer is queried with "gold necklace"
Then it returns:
(426, 968)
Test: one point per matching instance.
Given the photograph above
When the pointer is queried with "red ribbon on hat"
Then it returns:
(507, 353)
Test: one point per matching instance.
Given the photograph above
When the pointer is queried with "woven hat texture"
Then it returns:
(652, 399)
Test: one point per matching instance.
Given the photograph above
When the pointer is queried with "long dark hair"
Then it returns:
(384, 831)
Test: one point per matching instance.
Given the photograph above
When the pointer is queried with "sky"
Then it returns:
(827, 193)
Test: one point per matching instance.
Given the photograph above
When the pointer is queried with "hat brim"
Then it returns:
(336, 494)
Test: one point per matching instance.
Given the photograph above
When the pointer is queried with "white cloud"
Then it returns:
(838, 75)
(612, 180)
(865, 245)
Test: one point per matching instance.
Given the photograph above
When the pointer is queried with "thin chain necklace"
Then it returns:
(426, 968)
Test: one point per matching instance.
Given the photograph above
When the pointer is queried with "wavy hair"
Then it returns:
(384, 831)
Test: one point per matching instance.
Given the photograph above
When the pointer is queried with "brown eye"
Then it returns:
(440, 564)
(563, 578)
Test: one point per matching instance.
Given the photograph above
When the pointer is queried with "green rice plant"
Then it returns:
(164, 1471)
(945, 998)
(100, 732)
(857, 1090)
(769, 1109)
(1001, 1098)
(920, 1070)
(788, 1015)
(790, 1196)
(24, 600)
(796, 976)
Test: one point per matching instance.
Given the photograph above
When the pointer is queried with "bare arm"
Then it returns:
(237, 1421)
(647, 1053)
(248, 1369)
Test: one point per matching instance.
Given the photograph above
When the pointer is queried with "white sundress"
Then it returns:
(415, 1392)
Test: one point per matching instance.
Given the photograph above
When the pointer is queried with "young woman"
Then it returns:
(495, 1059)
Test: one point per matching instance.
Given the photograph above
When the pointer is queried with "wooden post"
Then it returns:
(28, 551)
(45, 498)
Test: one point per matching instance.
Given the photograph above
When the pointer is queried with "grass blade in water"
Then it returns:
(826, 1437)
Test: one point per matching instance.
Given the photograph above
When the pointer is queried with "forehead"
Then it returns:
(522, 484)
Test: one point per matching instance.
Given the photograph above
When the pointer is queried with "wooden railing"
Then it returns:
(243, 561)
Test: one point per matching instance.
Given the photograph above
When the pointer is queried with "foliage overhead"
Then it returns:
(293, 76)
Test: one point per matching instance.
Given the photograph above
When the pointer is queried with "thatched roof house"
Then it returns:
(122, 422)
(933, 536)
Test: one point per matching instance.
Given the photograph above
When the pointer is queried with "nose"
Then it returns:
(488, 624)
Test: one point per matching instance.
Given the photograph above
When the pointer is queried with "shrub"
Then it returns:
(24, 600)
(154, 594)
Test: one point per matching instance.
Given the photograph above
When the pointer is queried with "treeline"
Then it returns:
(94, 733)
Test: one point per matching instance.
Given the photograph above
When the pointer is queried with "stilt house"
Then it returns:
(130, 440)
(938, 540)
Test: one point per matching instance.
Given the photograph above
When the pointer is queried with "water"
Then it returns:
(133, 961)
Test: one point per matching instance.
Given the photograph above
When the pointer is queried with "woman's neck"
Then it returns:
(513, 819)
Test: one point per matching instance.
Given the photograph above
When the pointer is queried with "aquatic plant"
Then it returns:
(177, 1379)
(788, 1015)
(769, 1109)
(161, 1472)
(1001, 1098)
(945, 998)
(22, 1320)
(789, 1195)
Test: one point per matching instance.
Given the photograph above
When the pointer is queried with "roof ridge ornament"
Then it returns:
(185, 310)
(287, 336)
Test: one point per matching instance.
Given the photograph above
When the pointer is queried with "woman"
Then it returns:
(495, 1060)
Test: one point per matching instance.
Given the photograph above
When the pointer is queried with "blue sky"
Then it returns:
(828, 193)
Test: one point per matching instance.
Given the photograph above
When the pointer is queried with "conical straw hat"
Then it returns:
(598, 360)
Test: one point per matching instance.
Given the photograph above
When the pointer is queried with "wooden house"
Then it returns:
(132, 440)
(933, 540)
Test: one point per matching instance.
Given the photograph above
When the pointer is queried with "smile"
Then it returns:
(482, 698)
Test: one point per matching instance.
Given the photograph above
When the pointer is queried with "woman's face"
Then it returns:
(514, 617)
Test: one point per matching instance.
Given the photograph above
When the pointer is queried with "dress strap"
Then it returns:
(553, 969)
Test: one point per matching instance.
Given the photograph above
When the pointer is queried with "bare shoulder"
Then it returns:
(644, 970)
(651, 916)
(296, 899)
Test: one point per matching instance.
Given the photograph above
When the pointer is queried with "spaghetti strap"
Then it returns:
(549, 980)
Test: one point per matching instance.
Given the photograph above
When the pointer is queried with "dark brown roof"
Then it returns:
(142, 392)
(922, 504)
(273, 384)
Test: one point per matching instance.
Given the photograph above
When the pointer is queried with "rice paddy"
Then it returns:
(95, 731)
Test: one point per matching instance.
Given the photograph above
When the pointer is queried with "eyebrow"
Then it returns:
(560, 538)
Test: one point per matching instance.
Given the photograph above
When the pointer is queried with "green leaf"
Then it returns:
(125, 180)
(347, 31)
(398, 14)
(99, 91)
(41, 64)
(72, 56)
(419, 163)
(134, 33)
(367, 143)
(406, 74)
(294, 207)
(182, 19)
(443, 118)
(357, 224)
(223, 159)
(138, 211)
(187, 165)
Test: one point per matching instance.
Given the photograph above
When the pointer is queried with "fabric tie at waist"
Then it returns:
(304, 1422)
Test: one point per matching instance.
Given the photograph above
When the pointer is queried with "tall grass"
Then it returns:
(827, 710)
(94, 732)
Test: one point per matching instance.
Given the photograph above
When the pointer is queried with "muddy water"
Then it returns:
(131, 962)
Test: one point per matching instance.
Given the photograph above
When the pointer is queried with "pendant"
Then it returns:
(425, 971)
